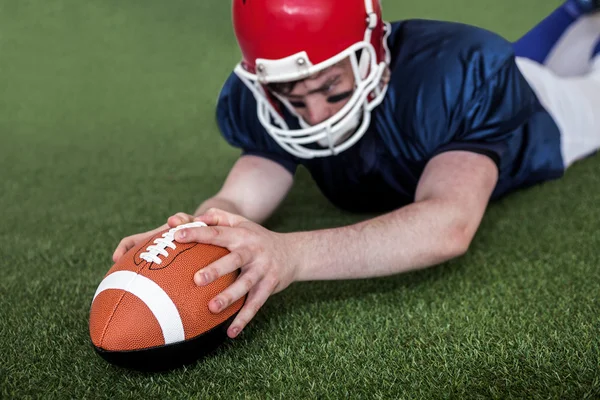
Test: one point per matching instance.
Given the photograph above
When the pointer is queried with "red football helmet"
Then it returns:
(289, 40)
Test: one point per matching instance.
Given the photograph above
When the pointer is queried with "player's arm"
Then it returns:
(450, 202)
(451, 199)
(254, 188)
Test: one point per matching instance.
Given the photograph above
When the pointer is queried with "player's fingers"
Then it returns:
(256, 299)
(243, 284)
(179, 219)
(222, 236)
(127, 243)
(215, 216)
(124, 245)
(219, 268)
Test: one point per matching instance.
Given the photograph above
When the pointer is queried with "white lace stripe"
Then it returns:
(159, 303)
(161, 243)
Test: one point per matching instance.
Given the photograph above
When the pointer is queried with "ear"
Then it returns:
(385, 78)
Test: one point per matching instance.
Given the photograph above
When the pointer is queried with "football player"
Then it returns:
(421, 121)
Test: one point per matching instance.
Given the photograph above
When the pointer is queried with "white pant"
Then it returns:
(574, 104)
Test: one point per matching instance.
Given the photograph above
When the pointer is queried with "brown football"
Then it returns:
(148, 313)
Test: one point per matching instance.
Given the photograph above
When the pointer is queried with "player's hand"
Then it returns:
(131, 241)
(261, 255)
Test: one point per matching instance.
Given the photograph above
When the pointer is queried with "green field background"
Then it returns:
(107, 127)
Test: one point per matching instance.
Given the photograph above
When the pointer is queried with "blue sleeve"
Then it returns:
(467, 93)
(239, 125)
(493, 117)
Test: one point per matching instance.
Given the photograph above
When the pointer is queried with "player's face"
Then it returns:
(320, 97)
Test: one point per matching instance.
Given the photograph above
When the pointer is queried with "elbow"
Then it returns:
(456, 241)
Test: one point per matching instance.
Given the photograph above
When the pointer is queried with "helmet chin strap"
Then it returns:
(334, 137)
(337, 137)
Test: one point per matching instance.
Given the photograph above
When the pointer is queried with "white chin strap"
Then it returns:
(342, 130)
(338, 132)
(341, 134)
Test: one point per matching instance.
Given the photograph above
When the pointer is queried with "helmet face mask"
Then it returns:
(368, 63)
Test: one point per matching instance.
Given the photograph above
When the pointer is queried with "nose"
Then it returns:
(317, 110)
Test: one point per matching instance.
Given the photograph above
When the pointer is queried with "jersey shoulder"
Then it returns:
(437, 70)
(236, 114)
(447, 48)
(239, 124)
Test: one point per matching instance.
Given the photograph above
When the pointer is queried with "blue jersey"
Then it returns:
(453, 87)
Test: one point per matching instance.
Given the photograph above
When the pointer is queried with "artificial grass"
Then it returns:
(107, 127)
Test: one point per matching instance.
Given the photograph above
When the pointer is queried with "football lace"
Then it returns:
(167, 240)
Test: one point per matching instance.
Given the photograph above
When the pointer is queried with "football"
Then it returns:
(148, 314)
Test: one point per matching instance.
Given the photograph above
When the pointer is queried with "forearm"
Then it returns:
(257, 213)
(220, 203)
(416, 236)
(253, 189)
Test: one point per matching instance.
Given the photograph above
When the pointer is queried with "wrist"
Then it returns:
(295, 249)
(323, 254)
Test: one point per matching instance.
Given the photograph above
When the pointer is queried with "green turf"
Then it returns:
(107, 127)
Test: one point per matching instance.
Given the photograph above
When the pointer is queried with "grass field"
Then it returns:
(107, 127)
